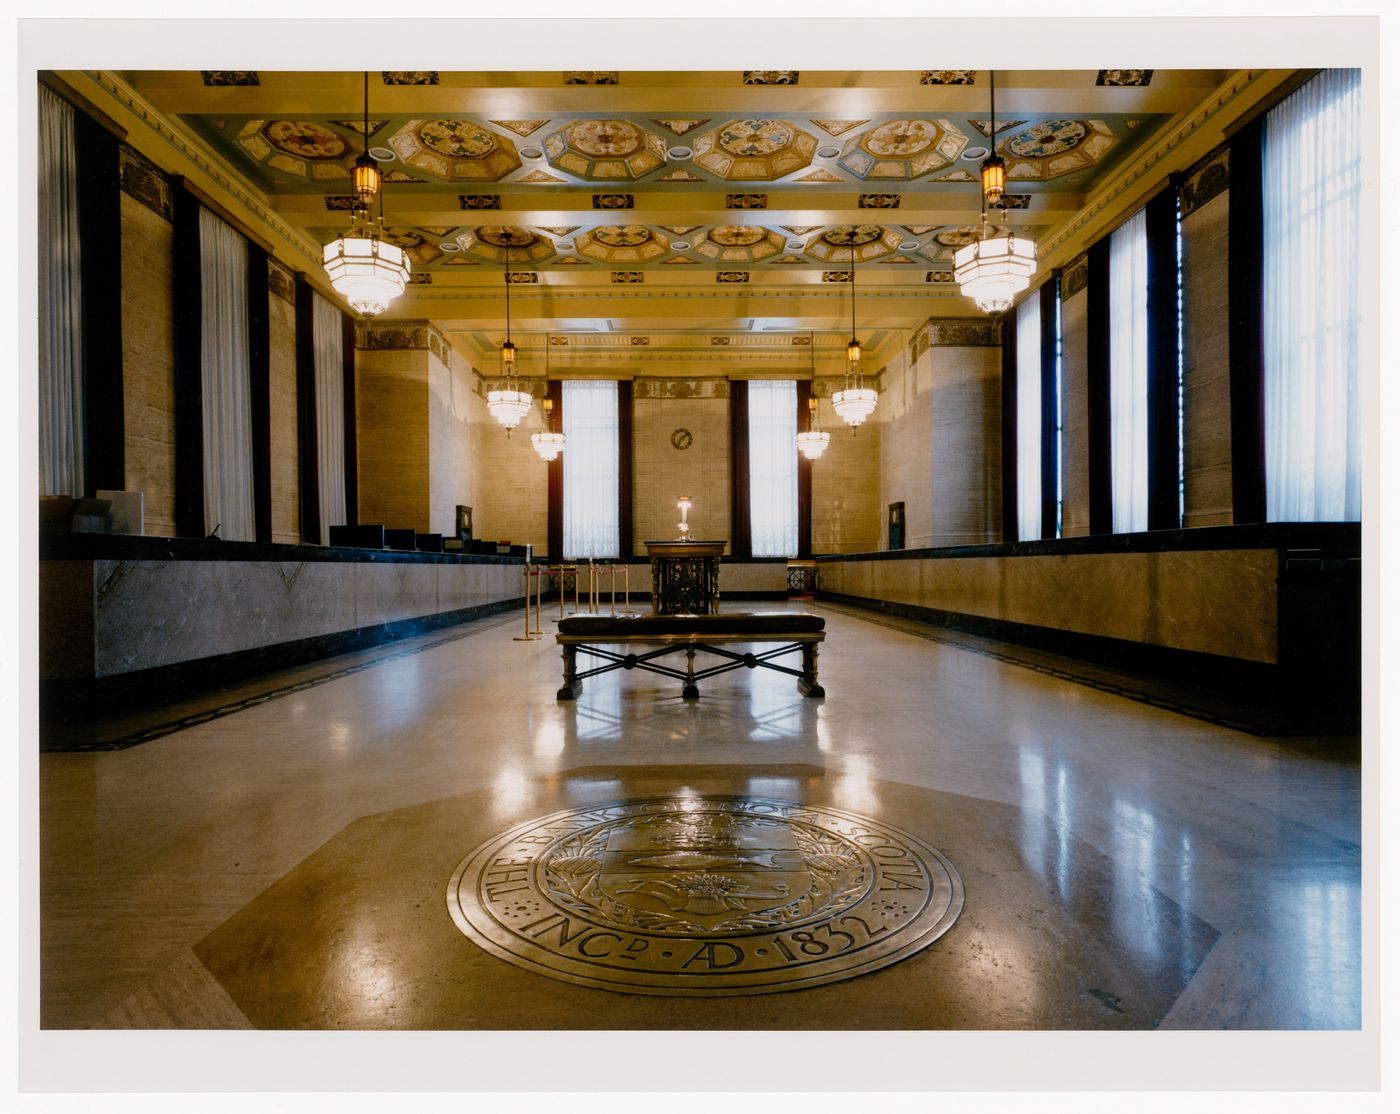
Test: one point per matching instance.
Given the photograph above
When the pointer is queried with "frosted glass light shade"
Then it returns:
(368, 273)
(993, 271)
(812, 443)
(548, 445)
(508, 407)
(854, 404)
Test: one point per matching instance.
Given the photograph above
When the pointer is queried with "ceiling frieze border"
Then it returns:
(1151, 158)
(227, 178)
(689, 293)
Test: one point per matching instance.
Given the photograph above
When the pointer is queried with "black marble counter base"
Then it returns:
(135, 547)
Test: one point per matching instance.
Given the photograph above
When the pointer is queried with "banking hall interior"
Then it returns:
(792, 470)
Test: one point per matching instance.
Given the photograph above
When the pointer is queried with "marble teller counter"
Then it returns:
(1258, 606)
(168, 609)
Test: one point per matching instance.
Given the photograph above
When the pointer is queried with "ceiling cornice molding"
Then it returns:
(218, 172)
(1119, 194)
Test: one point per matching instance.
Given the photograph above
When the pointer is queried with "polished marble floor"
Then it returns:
(285, 866)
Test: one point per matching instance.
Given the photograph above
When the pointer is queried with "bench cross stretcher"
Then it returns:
(593, 635)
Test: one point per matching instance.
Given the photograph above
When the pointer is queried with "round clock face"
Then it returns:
(681, 438)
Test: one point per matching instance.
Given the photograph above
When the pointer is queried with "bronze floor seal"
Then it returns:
(704, 895)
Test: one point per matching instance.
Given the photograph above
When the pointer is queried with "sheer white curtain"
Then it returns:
(773, 467)
(1127, 372)
(330, 412)
(228, 426)
(590, 468)
(1312, 221)
(1028, 418)
(61, 441)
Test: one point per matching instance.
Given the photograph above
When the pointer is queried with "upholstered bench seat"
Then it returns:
(593, 634)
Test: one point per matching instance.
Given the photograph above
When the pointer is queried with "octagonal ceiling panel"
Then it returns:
(455, 150)
(754, 150)
(300, 147)
(605, 150)
(493, 242)
(869, 241)
(1053, 148)
(621, 243)
(902, 149)
(740, 243)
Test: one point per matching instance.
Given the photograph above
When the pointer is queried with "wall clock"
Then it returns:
(681, 438)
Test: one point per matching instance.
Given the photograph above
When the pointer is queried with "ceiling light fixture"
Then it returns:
(992, 270)
(993, 166)
(855, 402)
(548, 444)
(366, 176)
(365, 270)
(812, 442)
(509, 404)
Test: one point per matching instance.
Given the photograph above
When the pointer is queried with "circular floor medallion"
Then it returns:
(704, 895)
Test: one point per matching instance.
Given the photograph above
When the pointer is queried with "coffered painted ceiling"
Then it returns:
(679, 201)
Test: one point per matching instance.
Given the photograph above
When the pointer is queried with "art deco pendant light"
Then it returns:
(855, 401)
(992, 270)
(509, 404)
(812, 442)
(550, 443)
(365, 270)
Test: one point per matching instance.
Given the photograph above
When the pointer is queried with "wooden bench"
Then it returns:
(593, 634)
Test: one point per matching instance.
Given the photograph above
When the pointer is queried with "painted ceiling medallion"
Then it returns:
(820, 175)
(754, 150)
(680, 174)
(627, 243)
(605, 150)
(1052, 137)
(503, 236)
(455, 150)
(622, 235)
(492, 244)
(559, 230)
(737, 235)
(800, 229)
(680, 229)
(846, 235)
(733, 243)
(958, 236)
(755, 137)
(540, 176)
(1053, 148)
(903, 149)
(409, 77)
(870, 241)
(605, 138)
(298, 147)
(457, 139)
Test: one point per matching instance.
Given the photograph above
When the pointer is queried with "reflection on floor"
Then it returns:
(286, 865)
